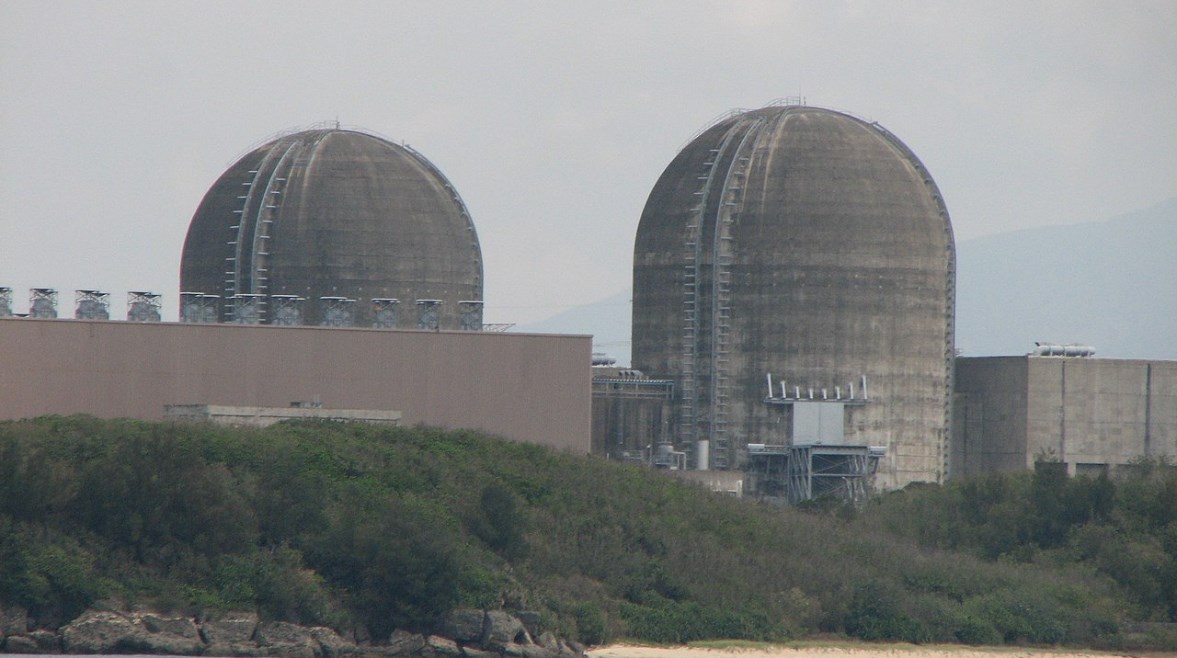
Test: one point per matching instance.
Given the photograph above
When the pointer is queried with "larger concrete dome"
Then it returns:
(335, 214)
(813, 247)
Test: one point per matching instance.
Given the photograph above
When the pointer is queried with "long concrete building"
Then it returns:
(1093, 415)
(526, 387)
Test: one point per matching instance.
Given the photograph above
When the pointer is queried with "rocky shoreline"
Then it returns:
(466, 633)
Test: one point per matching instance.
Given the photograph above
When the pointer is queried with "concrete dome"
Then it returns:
(812, 246)
(335, 213)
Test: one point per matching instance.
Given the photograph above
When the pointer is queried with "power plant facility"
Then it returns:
(333, 227)
(794, 277)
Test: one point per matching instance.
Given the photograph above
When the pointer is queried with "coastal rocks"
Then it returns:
(437, 646)
(231, 635)
(462, 634)
(501, 629)
(113, 632)
(489, 630)
(404, 643)
(332, 644)
(100, 632)
(292, 641)
(13, 621)
(35, 642)
(170, 635)
(464, 625)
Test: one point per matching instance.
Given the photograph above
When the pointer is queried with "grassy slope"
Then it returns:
(378, 529)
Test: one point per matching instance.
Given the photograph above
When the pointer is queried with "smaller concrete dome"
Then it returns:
(335, 213)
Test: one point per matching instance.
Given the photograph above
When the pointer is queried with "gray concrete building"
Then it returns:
(808, 246)
(1093, 415)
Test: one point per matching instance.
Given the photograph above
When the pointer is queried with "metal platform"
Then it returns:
(795, 474)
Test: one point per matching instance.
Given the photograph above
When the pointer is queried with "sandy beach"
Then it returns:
(887, 651)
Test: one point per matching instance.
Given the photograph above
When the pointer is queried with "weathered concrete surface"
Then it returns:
(325, 213)
(811, 245)
(1094, 415)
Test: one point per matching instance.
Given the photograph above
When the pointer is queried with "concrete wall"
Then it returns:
(527, 387)
(1091, 414)
(989, 420)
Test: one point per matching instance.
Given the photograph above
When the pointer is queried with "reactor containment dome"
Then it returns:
(339, 220)
(794, 276)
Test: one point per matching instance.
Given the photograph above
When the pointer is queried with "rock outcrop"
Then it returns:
(466, 633)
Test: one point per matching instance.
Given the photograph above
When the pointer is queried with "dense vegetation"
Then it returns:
(375, 528)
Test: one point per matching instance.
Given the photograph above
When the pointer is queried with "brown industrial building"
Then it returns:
(527, 387)
(1093, 415)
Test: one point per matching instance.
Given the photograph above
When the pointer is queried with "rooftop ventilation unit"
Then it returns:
(5, 302)
(42, 303)
(143, 306)
(428, 314)
(199, 307)
(1070, 350)
(247, 308)
(286, 310)
(337, 312)
(92, 305)
(470, 313)
(384, 313)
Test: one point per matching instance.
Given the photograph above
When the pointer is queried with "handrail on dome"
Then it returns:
(318, 125)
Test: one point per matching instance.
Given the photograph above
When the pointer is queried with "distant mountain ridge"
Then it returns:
(1111, 284)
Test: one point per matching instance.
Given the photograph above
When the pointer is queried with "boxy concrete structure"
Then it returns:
(1093, 415)
(527, 387)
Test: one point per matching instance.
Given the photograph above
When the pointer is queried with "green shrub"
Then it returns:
(592, 627)
(392, 527)
(971, 629)
(876, 613)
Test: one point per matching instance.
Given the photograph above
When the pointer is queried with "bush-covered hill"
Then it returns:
(381, 528)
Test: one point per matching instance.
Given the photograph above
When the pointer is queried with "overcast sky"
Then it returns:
(554, 119)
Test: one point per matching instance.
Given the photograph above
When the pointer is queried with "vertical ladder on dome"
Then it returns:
(270, 203)
(690, 336)
(688, 423)
(733, 188)
(232, 263)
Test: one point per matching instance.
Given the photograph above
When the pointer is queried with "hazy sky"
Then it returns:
(554, 119)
